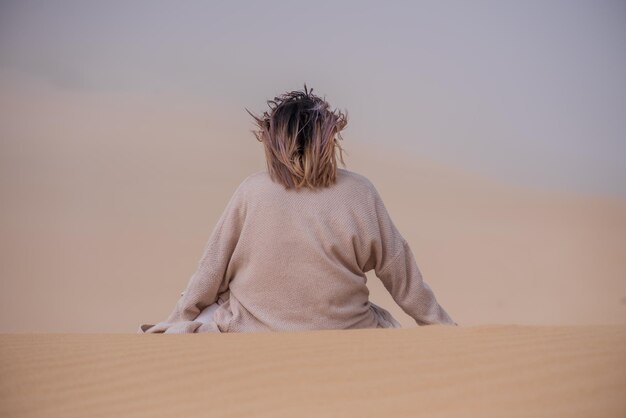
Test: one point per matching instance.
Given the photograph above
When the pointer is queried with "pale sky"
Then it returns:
(533, 92)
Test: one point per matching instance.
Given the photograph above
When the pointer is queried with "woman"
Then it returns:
(291, 249)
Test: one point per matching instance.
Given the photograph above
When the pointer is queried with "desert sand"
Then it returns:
(430, 371)
(109, 198)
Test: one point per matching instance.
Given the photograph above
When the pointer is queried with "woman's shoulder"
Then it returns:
(346, 179)
(355, 177)
(360, 183)
(255, 179)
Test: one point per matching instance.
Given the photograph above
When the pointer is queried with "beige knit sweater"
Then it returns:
(285, 260)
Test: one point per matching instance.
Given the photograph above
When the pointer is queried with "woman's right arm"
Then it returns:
(403, 279)
(395, 265)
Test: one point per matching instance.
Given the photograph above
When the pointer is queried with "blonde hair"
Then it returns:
(301, 135)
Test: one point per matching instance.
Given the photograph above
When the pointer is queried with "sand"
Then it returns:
(433, 371)
(113, 195)
(109, 198)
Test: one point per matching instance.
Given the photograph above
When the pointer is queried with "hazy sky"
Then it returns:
(533, 92)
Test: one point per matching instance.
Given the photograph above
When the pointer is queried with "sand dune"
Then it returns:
(432, 371)
(110, 197)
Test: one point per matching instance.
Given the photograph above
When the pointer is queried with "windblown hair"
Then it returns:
(301, 135)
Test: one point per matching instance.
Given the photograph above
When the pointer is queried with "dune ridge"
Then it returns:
(434, 371)
(156, 171)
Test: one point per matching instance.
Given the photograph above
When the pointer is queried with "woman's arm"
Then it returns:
(403, 279)
(395, 265)
(209, 280)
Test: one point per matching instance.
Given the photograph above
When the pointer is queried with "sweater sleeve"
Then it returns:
(395, 265)
(209, 280)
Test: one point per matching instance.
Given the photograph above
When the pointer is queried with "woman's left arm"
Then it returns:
(209, 279)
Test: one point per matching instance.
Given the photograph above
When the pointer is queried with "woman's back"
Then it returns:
(295, 259)
(299, 260)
